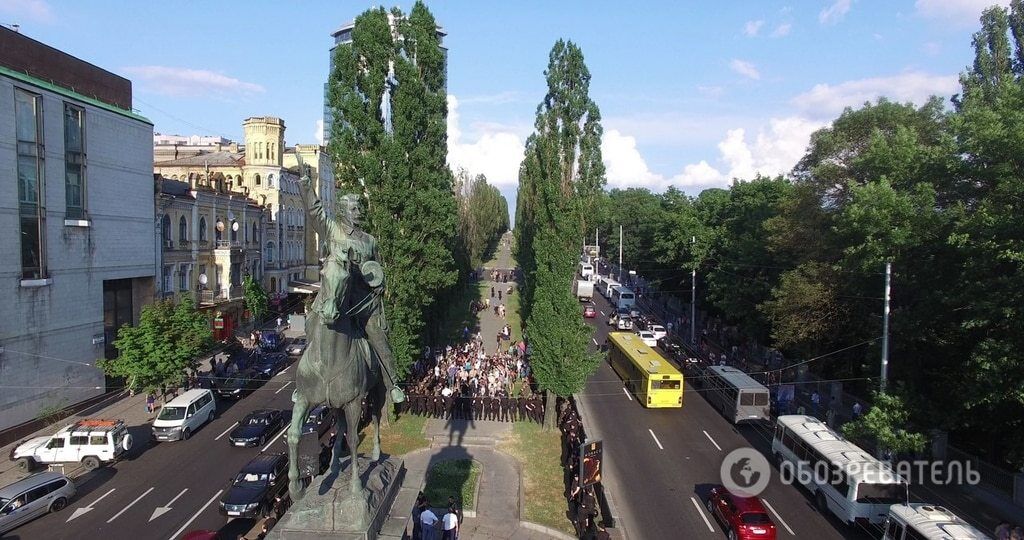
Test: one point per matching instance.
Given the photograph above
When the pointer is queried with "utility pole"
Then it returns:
(620, 255)
(693, 298)
(885, 330)
(597, 247)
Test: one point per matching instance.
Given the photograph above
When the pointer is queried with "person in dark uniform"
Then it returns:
(506, 407)
(478, 408)
(521, 403)
(494, 403)
(436, 406)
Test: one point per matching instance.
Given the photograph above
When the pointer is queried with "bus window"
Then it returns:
(880, 493)
(894, 531)
(747, 398)
(664, 385)
(761, 399)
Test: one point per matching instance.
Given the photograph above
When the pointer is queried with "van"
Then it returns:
(586, 270)
(622, 297)
(925, 521)
(181, 416)
(32, 497)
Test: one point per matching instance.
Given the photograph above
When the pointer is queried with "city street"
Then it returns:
(660, 463)
(165, 489)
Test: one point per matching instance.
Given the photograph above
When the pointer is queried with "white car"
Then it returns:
(648, 338)
(658, 330)
(89, 442)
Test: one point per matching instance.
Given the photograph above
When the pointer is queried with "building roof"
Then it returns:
(171, 187)
(212, 159)
(60, 90)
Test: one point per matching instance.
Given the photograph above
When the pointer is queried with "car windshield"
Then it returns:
(755, 518)
(251, 479)
(172, 413)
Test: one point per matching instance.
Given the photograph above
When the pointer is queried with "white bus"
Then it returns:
(843, 478)
(623, 297)
(738, 397)
(927, 522)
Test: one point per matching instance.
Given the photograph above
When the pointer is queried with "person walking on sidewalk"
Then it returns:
(150, 403)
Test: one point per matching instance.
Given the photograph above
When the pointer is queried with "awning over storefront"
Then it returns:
(303, 287)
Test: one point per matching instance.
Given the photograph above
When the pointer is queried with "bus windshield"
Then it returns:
(881, 493)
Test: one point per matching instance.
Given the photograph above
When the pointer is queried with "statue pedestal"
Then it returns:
(328, 510)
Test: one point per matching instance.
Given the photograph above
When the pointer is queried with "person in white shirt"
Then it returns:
(427, 522)
(450, 524)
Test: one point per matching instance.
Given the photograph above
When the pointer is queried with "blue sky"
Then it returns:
(692, 93)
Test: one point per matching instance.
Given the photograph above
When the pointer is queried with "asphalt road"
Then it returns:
(660, 463)
(122, 501)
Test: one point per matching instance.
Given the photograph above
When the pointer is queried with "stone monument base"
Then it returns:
(328, 510)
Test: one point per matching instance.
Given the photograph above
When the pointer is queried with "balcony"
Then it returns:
(207, 296)
(184, 244)
(229, 244)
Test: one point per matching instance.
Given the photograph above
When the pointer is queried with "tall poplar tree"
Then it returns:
(560, 179)
(403, 175)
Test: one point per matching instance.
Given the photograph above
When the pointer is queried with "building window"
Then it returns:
(165, 230)
(28, 117)
(167, 280)
(202, 229)
(182, 230)
(255, 234)
(270, 180)
(270, 252)
(183, 278)
(74, 161)
(218, 230)
(256, 179)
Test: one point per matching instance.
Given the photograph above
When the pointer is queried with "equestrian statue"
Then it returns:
(347, 357)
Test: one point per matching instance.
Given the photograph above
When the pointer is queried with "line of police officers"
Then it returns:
(501, 407)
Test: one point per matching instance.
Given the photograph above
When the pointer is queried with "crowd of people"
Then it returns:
(426, 523)
(466, 382)
(580, 494)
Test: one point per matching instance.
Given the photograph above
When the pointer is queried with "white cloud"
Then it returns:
(180, 82)
(826, 100)
(835, 12)
(932, 48)
(34, 10)
(745, 68)
(782, 30)
(318, 132)
(495, 154)
(960, 11)
(624, 166)
(774, 150)
(751, 28)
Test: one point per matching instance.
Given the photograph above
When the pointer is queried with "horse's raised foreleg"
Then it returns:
(294, 434)
(353, 410)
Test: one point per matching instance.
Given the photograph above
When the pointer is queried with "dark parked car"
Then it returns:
(256, 487)
(297, 346)
(257, 427)
(320, 419)
(270, 364)
(271, 340)
(239, 385)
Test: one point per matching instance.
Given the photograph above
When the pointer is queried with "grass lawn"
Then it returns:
(539, 452)
(457, 477)
(401, 437)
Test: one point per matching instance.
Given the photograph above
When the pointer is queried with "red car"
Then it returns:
(589, 311)
(743, 518)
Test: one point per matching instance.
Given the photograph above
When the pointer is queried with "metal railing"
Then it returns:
(991, 475)
(228, 244)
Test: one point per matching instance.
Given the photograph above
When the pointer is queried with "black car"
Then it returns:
(320, 419)
(257, 427)
(256, 487)
(270, 364)
(239, 385)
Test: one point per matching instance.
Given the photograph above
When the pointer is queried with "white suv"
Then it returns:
(89, 442)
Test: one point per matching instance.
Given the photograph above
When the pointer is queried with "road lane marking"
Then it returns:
(712, 441)
(226, 431)
(161, 510)
(285, 369)
(700, 510)
(273, 440)
(656, 439)
(131, 504)
(603, 314)
(594, 340)
(194, 516)
(86, 509)
(282, 387)
(777, 516)
(627, 393)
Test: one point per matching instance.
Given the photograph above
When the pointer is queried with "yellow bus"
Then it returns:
(651, 378)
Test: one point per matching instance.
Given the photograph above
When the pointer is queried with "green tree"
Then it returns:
(411, 206)
(885, 424)
(255, 298)
(167, 341)
(560, 181)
